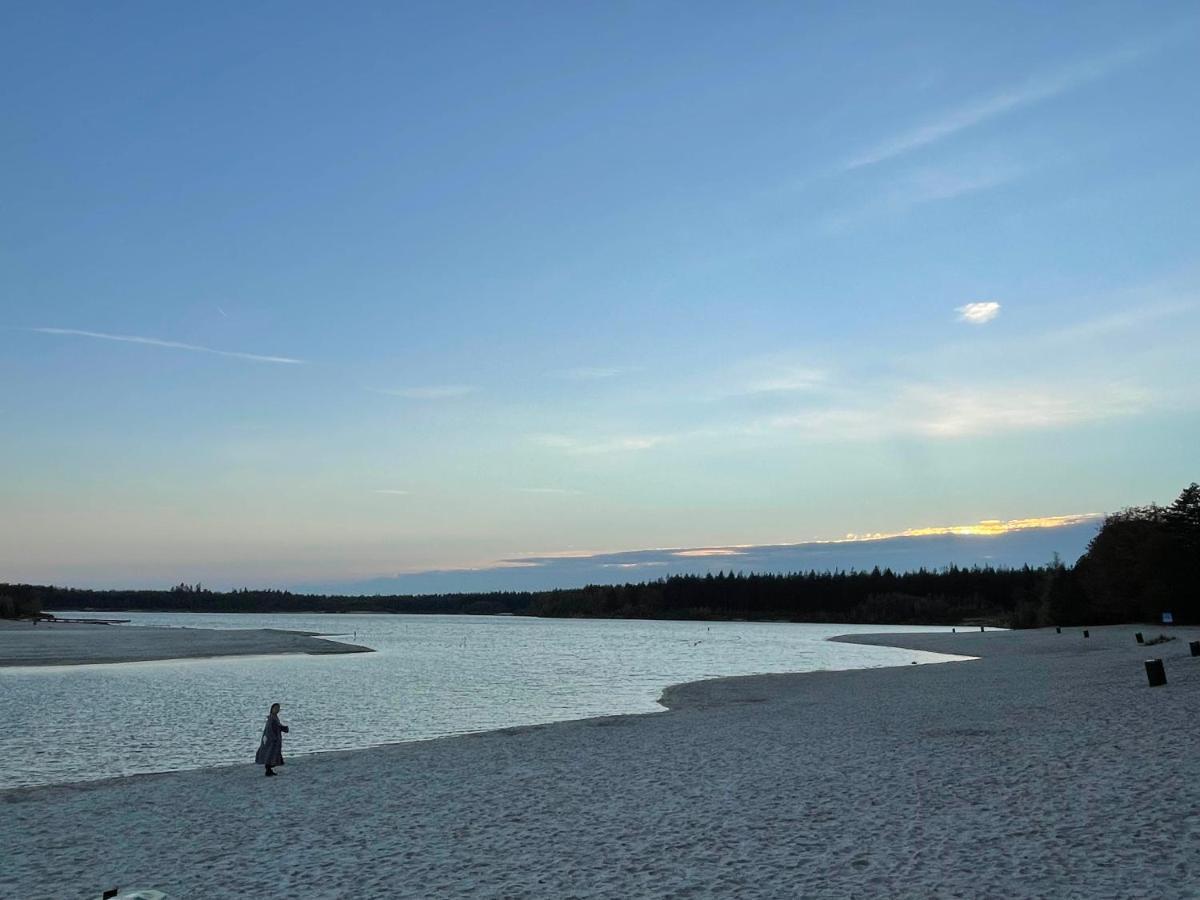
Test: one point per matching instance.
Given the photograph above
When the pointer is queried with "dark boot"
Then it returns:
(271, 771)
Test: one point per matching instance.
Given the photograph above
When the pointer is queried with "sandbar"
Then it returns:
(66, 644)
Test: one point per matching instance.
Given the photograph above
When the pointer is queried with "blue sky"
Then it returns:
(293, 294)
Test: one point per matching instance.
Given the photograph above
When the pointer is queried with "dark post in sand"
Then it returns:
(1155, 673)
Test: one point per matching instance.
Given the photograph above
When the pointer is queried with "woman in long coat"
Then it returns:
(270, 748)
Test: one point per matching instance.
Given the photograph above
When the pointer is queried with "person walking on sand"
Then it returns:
(270, 748)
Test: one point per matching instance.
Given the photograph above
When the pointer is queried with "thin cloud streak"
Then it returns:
(1121, 321)
(1034, 90)
(959, 413)
(874, 412)
(600, 446)
(930, 185)
(429, 392)
(940, 413)
(174, 345)
(924, 186)
(763, 377)
(392, 492)
(795, 380)
(592, 373)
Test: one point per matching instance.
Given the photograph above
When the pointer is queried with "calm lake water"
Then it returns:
(431, 676)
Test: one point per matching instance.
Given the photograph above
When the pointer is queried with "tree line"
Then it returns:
(948, 595)
(1143, 561)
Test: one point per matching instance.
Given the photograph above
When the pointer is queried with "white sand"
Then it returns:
(63, 644)
(1045, 769)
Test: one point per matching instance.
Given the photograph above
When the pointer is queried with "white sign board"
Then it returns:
(1168, 619)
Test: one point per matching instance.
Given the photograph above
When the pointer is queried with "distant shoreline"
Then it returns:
(949, 596)
(73, 644)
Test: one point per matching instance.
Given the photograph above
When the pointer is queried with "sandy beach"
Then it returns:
(66, 644)
(1045, 768)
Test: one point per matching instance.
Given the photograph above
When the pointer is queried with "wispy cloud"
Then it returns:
(592, 373)
(174, 345)
(600, 445)
(1121, 321)
(787, 381)
(548, 490)
(849, 422)
(392, 492)
(1034, 90)
(875, 411)
(928, 185)
(430, 392)
(764, 376)
(978, 313)
(966, 412)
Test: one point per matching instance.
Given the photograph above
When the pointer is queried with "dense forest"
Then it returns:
(1144, 561)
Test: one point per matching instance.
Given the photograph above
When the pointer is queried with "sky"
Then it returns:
(293, 294)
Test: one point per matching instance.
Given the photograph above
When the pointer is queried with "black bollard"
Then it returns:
(1085, 633)
(1058, 629)
(1139, 637)
(1155, 673)
(1195, 645)
(981, 628)
(955, 631)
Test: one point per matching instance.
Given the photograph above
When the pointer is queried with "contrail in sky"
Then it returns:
(1034, 90)
(155, 342)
